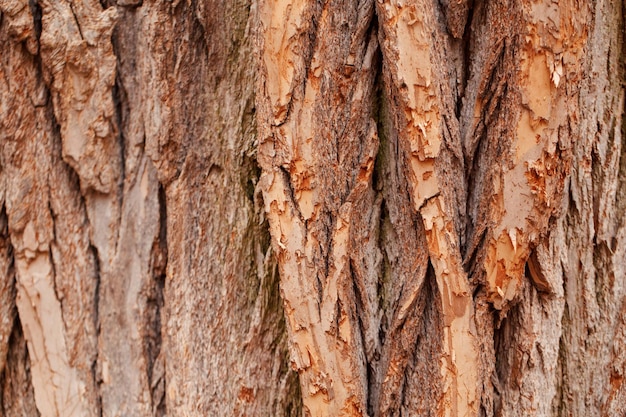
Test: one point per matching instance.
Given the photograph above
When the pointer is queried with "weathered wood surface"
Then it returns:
(292, 207)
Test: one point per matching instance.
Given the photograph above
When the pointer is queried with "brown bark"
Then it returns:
(290, 207)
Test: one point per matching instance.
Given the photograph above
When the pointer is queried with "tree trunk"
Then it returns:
(289, 207)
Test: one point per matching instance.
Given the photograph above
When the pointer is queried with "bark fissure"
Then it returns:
(96, 372)
(17, 397)
(513, 80)
(8, 313)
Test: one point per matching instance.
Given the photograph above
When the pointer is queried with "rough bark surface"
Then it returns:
(132, 244)
(319, 208)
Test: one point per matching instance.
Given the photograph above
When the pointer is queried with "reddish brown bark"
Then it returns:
(290, 207)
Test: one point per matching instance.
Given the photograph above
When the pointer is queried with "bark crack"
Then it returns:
(80, 32)
(96, 366)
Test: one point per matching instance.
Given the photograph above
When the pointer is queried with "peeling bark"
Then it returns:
(312, 230)
(61, 344)
(486, 158)
(92, 209)
(290, 207)
(418, 116)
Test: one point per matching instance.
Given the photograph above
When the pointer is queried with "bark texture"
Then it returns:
(319, 208)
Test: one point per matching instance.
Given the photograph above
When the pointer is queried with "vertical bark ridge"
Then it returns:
(549, 53)
(593, 267)
(524, 77)
(135, 297)
(54, 270)
(418, 88)
(527, 349)
(126, 288)
(617, 390)
(76, 271)
(317, 160)
(549, 50)
(197, 104)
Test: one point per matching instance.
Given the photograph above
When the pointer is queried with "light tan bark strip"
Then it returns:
(408, 57)
(58, 388)
(124, 305)
(528, 192)
(460, 368)
(318, 145)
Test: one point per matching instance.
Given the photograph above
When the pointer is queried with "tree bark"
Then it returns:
(291, 207)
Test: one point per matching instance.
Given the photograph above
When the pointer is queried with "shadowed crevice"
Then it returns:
(17, 395)
(154, 313)
(8, 311)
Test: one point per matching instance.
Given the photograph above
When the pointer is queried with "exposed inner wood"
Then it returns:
(312, 182)
(524, 176)
(416, 81)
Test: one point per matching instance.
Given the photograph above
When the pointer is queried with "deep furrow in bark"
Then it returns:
(7, 284)
(155, 320)
(17, 397)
